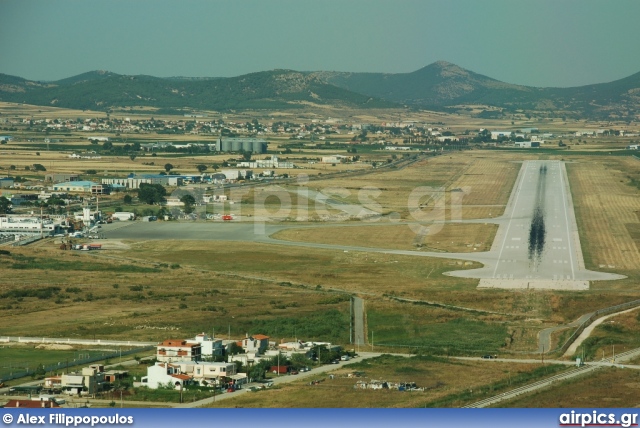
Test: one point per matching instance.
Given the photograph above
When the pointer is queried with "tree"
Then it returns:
(107, 145)
(5, 205)
(39, 167)
(188, 201)
(246, 156)
(201, 168)
(168, 167)
(127, 199)
(132, 157)
(151, 193)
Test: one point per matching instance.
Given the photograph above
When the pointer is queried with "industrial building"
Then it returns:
(60, 178)
(237, 174)
(79, 186)
(274, 162)
(134, 181)
(29, 224)
(527, 144)
(334, 159)
(6, 182)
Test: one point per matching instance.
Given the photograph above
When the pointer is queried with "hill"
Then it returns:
(441, 85)
(278, 89)
(438, 86)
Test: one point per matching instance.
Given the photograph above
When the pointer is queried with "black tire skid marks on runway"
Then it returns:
(537, 230)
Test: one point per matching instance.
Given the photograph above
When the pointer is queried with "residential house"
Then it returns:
(212, 373)
(53, 383)
(178, 350)
(163, 374)
(210, 346)
(257, 344)
(86, 382)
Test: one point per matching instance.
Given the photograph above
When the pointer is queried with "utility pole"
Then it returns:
(542, 354)
(41, 223)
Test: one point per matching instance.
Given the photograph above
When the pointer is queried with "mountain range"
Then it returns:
(438, 86)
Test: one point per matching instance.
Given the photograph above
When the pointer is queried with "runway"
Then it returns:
(537, 244)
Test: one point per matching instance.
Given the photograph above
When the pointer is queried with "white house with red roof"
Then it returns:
(163, 374)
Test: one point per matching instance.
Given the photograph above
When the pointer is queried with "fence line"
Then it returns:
(597, 314)
(77, 362)
(68, 341)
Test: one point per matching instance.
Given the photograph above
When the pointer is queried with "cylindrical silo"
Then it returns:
(236, 146)
(259, 147)
(226, 145)
(247, 146)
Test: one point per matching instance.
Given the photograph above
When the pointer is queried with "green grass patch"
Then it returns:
(328, 325)
(19, 359)
(455, 336)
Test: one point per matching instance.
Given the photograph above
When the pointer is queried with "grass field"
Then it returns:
(445, 381)
(605, 204)
(16, 358)
(452, 237)
(608, 387)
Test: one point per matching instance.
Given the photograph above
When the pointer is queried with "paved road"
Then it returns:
(358, 322)
(587, 331)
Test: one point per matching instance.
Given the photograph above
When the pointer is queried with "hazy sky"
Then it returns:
(530, 42)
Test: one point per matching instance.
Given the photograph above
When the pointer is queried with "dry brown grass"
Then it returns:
(440, 378)
(604, 205)
(609, 387)
(456, 237)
